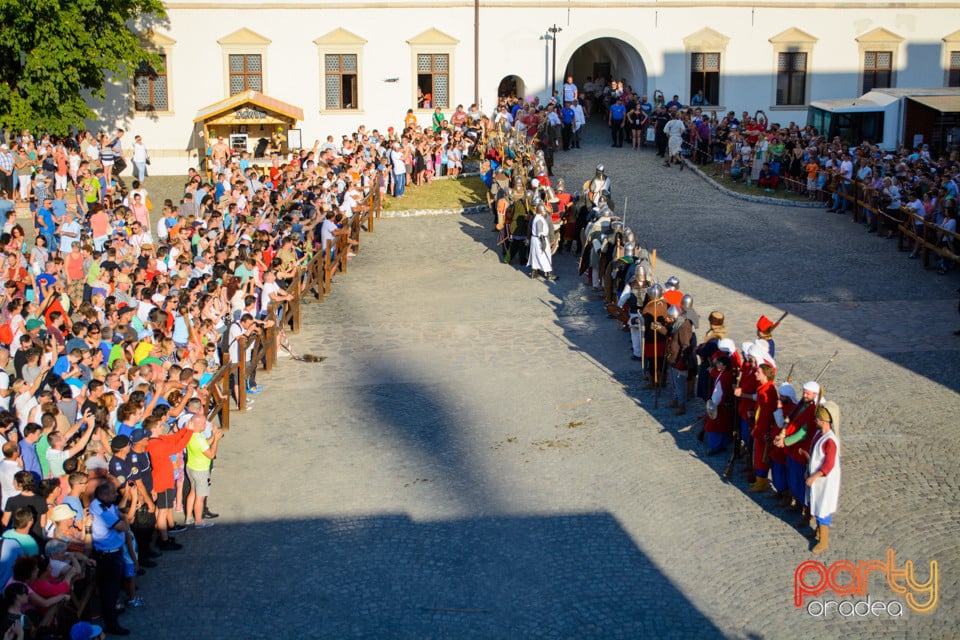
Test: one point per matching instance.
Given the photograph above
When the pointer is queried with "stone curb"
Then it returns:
(455, 211)
(759, 199)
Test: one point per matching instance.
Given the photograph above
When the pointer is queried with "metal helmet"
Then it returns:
(561, 185)
(530, 193)
(686, 302)
(518, 182)
(499, 169)
(628, 248)
(600, 169)
(674, 312)
(542, 209)
(540, 154)
(673, 282)
(616, 225)
(534, 183)
(655, 291)
(629, 236)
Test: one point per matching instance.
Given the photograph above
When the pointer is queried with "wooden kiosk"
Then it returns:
(248, 122)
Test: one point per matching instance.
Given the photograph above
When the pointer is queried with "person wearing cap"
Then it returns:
(109, 533)
(615, 120)
(139, 471)
(705, 352)
(823, 472)
(85, 631)
(765, 327)
(795, 438)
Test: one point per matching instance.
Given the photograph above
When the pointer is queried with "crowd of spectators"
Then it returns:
(115, 319)
(749, 149)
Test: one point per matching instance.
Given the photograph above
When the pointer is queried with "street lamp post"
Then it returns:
(553, 31)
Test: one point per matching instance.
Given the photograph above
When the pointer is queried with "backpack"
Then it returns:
(6, 334)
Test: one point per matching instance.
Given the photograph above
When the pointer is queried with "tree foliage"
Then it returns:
(56, 54)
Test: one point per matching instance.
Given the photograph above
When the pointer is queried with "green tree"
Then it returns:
(56, 54)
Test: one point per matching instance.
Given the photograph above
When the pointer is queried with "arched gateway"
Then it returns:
(610, 58)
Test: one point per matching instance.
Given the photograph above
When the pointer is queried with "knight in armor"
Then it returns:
(541, 259)
(654, 311)
(679, 333)
(501, 197)
(597, 189)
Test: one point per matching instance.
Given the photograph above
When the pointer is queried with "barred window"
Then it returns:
(246, 73)
(705, 75)
(791, 78)
(341, 80)
(877, 69)
(433, 80)
(953, 75)
(150, 87)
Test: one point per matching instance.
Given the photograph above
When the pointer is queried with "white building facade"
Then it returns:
(349, 63)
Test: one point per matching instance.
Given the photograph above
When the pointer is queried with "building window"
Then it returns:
(953, 73)
(341, 80)
(877, 70)
(150, 87)
(433, 80)
(705, 74)
(246, 72)
(791, 78)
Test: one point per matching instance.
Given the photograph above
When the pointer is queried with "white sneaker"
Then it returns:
(203, 525)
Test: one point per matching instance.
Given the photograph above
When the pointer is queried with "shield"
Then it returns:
(712, 409)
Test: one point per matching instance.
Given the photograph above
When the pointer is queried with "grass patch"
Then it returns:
(440, 194)
(752, 190)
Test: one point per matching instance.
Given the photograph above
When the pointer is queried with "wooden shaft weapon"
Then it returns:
(776, 324)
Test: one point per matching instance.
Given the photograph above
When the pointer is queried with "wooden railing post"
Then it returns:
(225, 403)
(270, 340)
(298, 286)
(241, 374)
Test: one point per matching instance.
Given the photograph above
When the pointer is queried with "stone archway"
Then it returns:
(609, 57)
(511, 86)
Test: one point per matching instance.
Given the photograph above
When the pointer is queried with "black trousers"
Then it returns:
(109, 583)
(616, 132)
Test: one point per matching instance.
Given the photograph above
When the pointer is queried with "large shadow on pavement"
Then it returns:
(386, 576)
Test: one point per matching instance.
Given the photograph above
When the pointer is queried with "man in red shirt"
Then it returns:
(161, 449)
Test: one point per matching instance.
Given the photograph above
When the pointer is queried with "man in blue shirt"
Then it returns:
(615, 120)
(566, 117)
(47, 223)
(109, 533)
(28, 450)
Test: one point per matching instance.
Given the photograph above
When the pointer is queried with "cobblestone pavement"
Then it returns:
(476, 459)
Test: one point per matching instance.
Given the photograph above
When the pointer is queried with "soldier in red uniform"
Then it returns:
(746, 408)
(718, 428)
(795, 439)
(767, 405)
(778, 456)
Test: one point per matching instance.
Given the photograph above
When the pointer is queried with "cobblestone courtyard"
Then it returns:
(476, 458)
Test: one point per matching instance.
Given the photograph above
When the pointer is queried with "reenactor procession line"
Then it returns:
(789, 447)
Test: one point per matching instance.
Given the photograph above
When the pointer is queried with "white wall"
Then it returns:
(512, 42)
